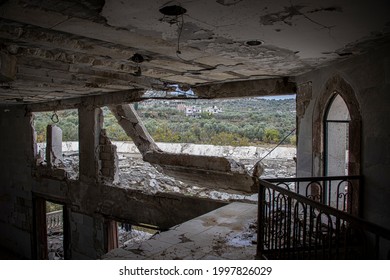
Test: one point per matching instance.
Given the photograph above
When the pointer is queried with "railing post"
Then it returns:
(54, 220)
(260, 221)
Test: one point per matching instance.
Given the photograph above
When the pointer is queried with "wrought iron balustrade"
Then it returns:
(292, 225)
(340, 192)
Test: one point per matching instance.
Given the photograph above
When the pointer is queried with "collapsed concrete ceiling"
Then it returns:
(53, 49)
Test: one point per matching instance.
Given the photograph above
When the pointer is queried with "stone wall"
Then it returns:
(244, 152)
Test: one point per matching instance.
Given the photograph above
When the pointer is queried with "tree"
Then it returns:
(271, 136)
(165, 134)
(231, 139)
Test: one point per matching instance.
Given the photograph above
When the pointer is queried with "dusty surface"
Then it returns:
(226, 233)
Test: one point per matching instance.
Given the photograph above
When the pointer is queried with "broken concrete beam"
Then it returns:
(129, 120)
(163, 210)
(53, 146)
(116, 97)
(207, 171)
(263, 87)
(195, 161)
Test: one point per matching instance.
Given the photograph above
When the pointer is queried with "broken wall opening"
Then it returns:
(176, 111)
(224, 122)
(121, 234)
(59, 131)
(51, 229)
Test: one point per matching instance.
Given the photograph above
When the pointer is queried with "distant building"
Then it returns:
(213, 110)
(193, 111)
(181, 107)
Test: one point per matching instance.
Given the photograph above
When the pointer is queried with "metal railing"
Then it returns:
(340, 192)
(296, 226)
(54, 220)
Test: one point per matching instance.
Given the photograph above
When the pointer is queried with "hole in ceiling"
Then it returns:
(345, 54)
(173, 10)
(254, 43)
(137, 58)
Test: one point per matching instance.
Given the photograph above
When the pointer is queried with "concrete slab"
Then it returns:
(225, 233)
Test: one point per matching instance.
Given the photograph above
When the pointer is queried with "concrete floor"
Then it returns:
(226, 233)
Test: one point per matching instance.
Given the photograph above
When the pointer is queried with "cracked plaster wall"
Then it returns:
(369, 77)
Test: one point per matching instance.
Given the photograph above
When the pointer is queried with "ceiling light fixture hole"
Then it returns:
(173, 10)
(137, 58)
(254, 43)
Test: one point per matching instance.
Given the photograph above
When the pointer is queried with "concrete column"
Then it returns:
(53, 145)
(90, 124)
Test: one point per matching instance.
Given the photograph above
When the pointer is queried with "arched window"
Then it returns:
(336, 142)
(336, 138)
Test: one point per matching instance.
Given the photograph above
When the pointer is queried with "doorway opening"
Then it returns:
(51, 234)
(55, 230)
